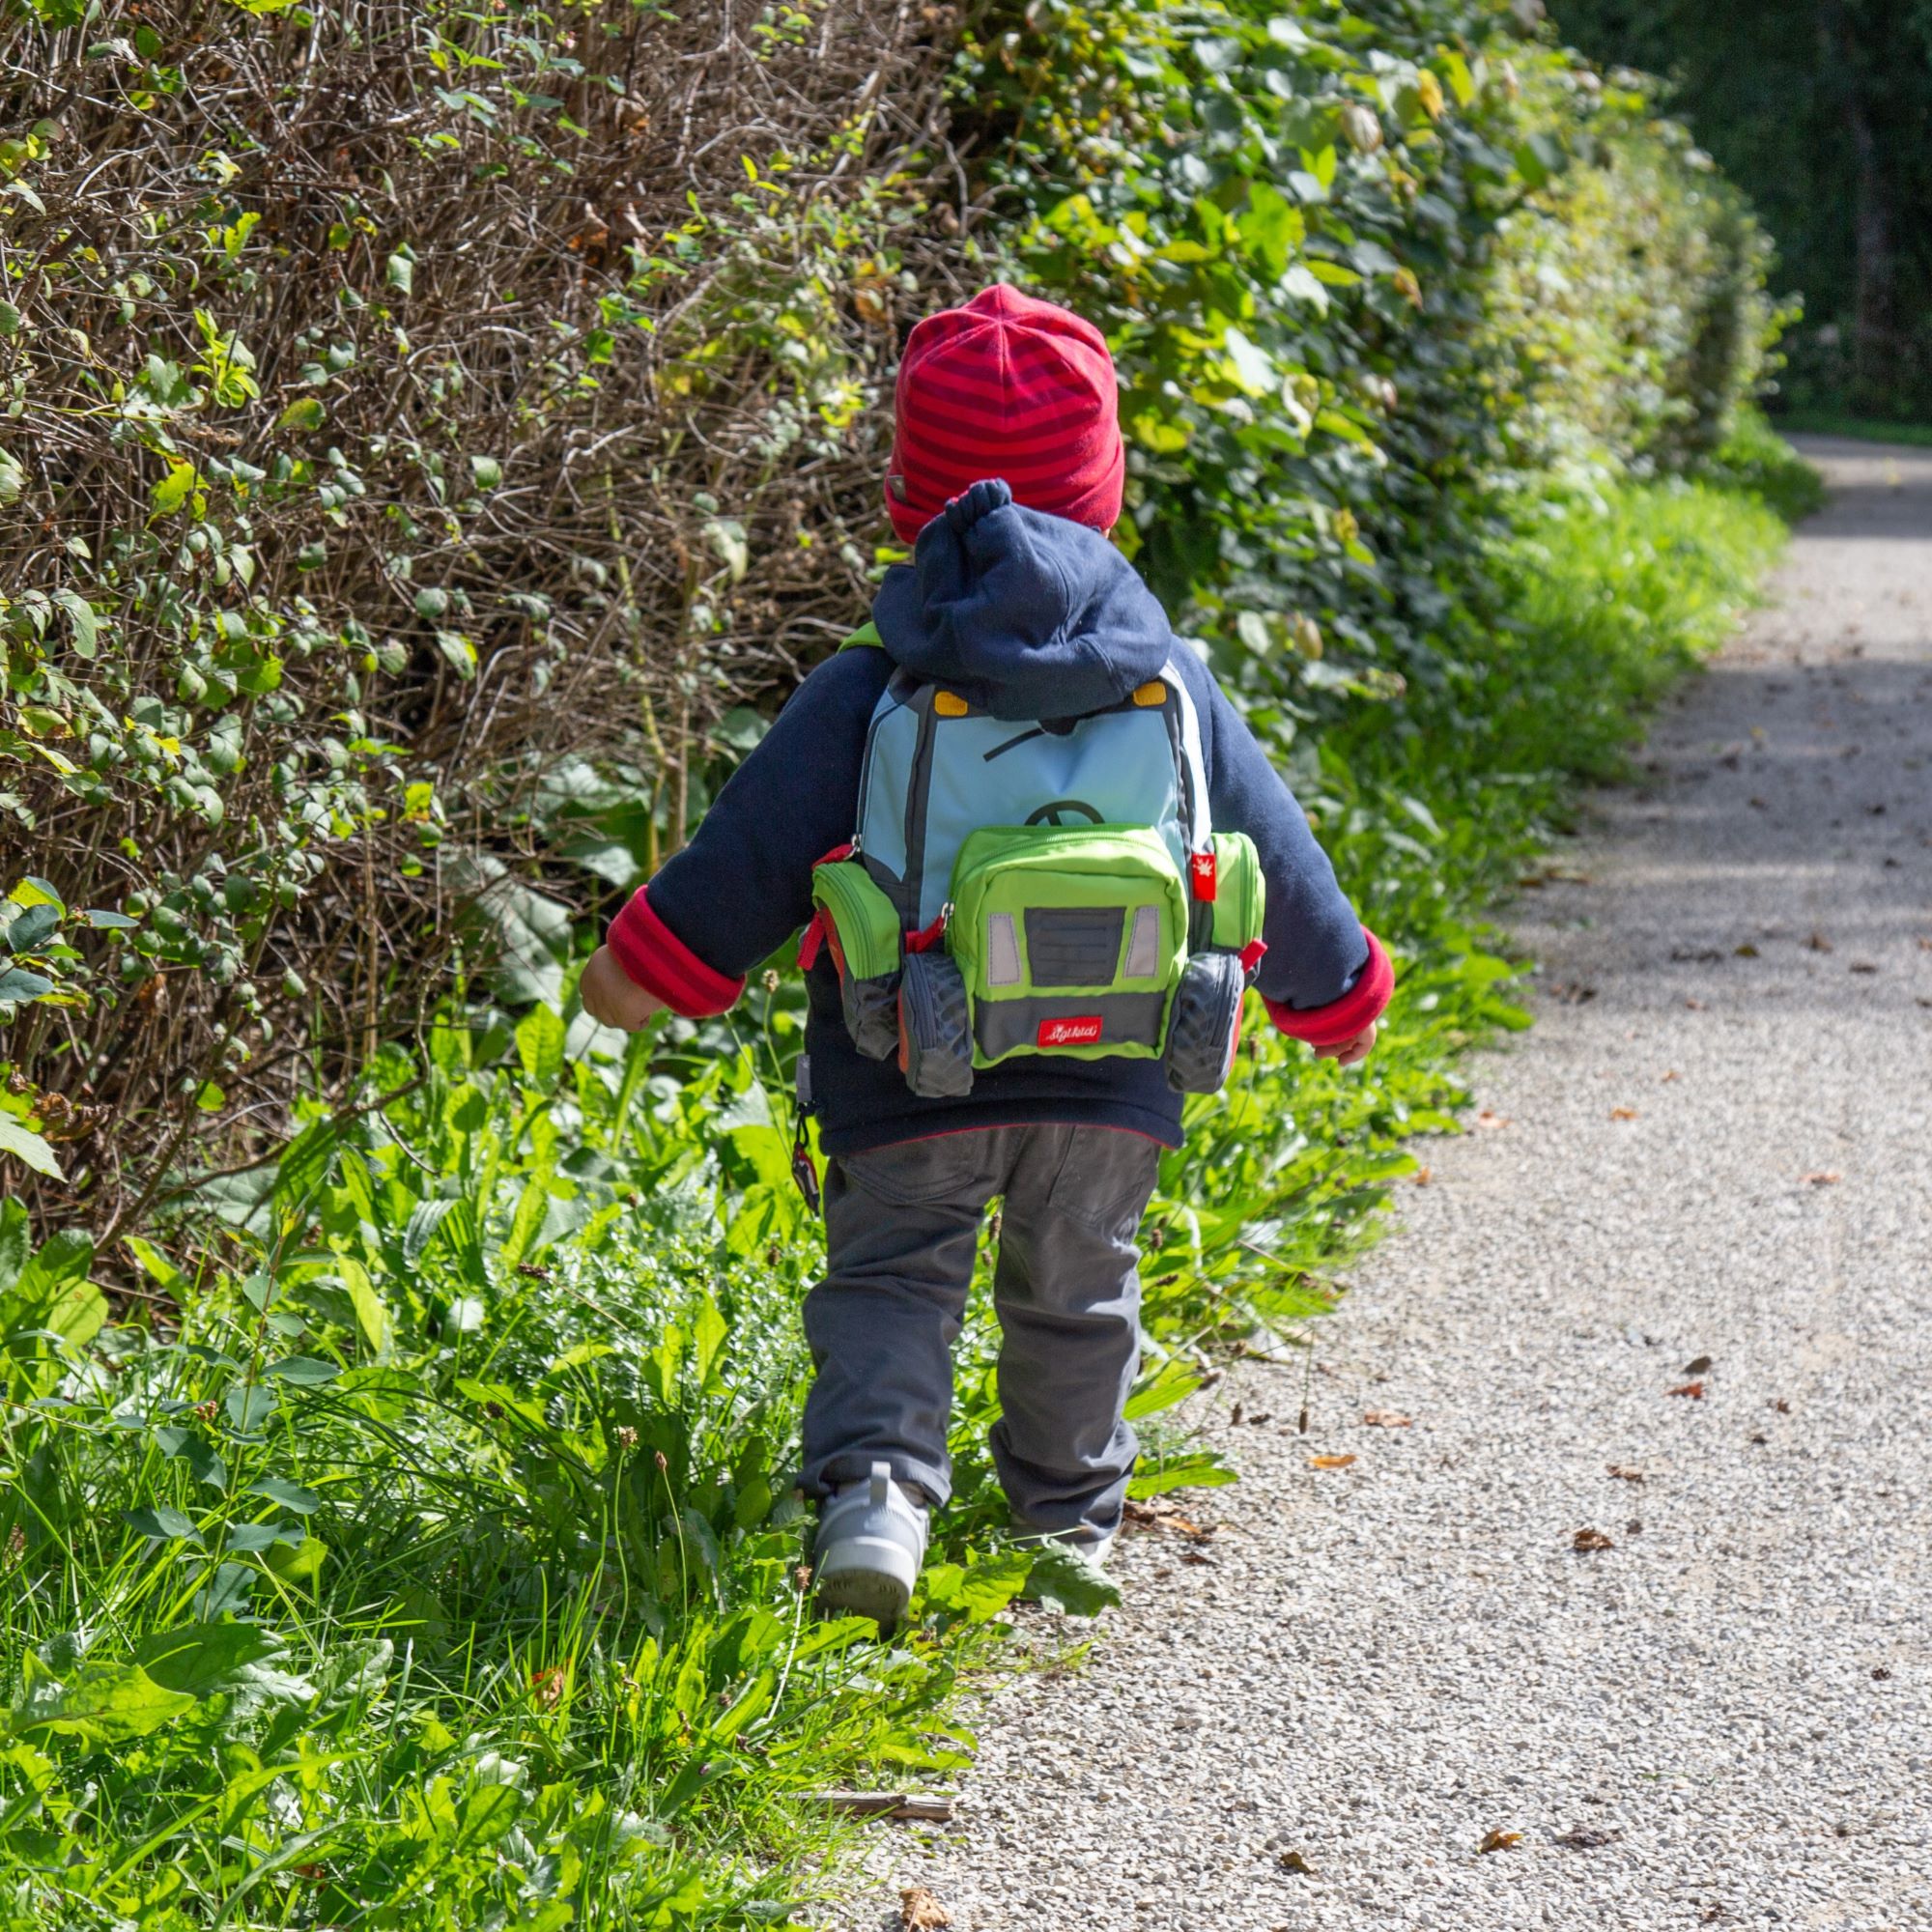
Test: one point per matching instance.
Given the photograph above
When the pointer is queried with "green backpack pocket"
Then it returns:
(862, 928)
(1240, 892)
(1232, 920)
(1070, 941)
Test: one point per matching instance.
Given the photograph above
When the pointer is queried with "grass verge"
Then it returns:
(1864, 429)
(410, 1545)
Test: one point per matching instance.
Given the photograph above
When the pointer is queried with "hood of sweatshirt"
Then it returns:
(1025, 614)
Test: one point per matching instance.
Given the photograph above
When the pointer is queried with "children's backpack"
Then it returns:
(1047, 887)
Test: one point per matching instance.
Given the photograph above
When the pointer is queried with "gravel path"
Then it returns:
(1716, 1142)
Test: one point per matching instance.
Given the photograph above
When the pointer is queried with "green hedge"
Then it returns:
(1370, 275)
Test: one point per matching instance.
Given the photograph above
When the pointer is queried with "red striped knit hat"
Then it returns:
(1006, 387)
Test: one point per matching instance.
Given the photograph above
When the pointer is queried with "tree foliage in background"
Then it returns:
(1821, 111)
(1372, 275)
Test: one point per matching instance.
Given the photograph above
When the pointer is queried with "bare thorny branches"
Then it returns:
(423, 401)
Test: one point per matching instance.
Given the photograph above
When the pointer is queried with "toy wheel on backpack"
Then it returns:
(935, 1028)
(1204, 1023)
(871, 1009)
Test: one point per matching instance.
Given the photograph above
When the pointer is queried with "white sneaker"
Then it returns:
(872, 1541)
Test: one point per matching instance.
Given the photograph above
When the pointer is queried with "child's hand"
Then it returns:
(1345, 1052)
(612, 998)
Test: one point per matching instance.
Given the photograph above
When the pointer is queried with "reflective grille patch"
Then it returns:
(1084, 1030)
(1003, 950)
(1143, 944)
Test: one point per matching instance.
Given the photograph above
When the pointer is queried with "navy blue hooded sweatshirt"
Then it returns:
(1029, 616)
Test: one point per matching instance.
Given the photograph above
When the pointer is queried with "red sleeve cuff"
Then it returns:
(1341, 1020)
(665, 966)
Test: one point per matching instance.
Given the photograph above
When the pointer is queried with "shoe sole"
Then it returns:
(866, 1577)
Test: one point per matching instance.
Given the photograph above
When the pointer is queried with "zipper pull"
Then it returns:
(929, 936)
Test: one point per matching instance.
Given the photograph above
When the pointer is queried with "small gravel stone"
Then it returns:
(1721, 1719)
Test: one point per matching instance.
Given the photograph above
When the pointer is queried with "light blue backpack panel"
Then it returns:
(937, 771)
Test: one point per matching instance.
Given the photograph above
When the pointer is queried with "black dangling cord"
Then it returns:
(804, 1169)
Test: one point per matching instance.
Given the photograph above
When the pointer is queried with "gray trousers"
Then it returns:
(901, 1225)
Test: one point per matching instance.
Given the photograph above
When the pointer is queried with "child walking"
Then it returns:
(1038, 859)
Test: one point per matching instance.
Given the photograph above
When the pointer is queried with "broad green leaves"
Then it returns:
(1071, 1580)
(101, 1704)
(25, 1146)
(171, 491)
(81, 616)
(49, 1307)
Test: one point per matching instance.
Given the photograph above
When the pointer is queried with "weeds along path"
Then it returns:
(1712, 1146)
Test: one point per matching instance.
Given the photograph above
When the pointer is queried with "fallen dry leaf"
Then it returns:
(1421, 1177)
(1696, 1006)
(1818, 943)
(1160, 1513)
(1671, 1073)
(1388, 1418)
(1329, 1462)
(1623, 1113)
(1779, 1402)
(1588, 1540)
(1501, 1841)
(1489, 1122)
(1823, 1177)
(1694, 1390)
(1744, 951)
(1698, 1367)
(921, 1912)
(1586, 1838)
(1624, 1474)
(1863, 966)
(1293, 1861)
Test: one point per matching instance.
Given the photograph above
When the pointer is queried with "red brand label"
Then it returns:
(1202, 867)
(1082, 1030)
